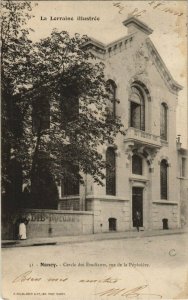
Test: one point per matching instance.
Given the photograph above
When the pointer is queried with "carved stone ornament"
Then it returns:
(140, 60)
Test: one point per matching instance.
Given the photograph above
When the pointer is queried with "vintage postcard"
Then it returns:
(94, 150)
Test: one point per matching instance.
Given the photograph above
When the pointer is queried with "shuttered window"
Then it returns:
(110, 172)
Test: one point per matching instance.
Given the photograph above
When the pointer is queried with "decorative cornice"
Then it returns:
(120, 41)
(95, 43)
(183, 151)
(106, 198)
(173, 86)
(46, 211)
(166, 202)
(108, 49)
(141, 179)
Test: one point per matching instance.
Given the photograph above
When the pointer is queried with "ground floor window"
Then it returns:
(112, 224)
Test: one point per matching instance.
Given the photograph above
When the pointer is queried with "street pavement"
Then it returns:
(91, 237)
(135, 266)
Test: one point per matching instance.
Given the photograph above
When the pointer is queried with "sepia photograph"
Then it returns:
(94, 150)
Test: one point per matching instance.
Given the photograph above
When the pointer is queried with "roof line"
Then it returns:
(179, 87)
(105, 46)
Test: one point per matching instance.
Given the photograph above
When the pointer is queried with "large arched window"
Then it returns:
(137, 109)
(111, 87)
(164, 179)
(163, 129)
(136, 164)
(110, 171)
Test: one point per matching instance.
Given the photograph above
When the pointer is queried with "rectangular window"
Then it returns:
(70, 184)
(135, 115)
(183, 167)
(110, 172)
(164, 180)
(111, 88)
(136, 165)
(163, 129)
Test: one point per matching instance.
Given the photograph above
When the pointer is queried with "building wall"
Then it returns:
(109, 207)
(49, 223)
(135, 59)
(184, 203)
(183, 186)
(164, 211)
(134, 62)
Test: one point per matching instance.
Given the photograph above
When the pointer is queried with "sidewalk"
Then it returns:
(88, 238)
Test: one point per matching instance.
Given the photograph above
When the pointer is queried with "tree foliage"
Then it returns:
(58, 76)
(15, 53)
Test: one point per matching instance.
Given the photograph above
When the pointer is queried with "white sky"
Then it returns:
(168, 21)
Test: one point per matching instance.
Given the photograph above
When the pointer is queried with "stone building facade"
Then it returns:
(145, 160)
(147, 169)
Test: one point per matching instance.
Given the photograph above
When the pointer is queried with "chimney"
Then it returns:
(134, 25)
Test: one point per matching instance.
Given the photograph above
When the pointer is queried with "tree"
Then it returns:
(64, 81)
(16, 48)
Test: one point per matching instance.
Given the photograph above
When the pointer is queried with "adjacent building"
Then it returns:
(183, 182)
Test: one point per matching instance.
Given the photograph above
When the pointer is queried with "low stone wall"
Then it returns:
(50, 223)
